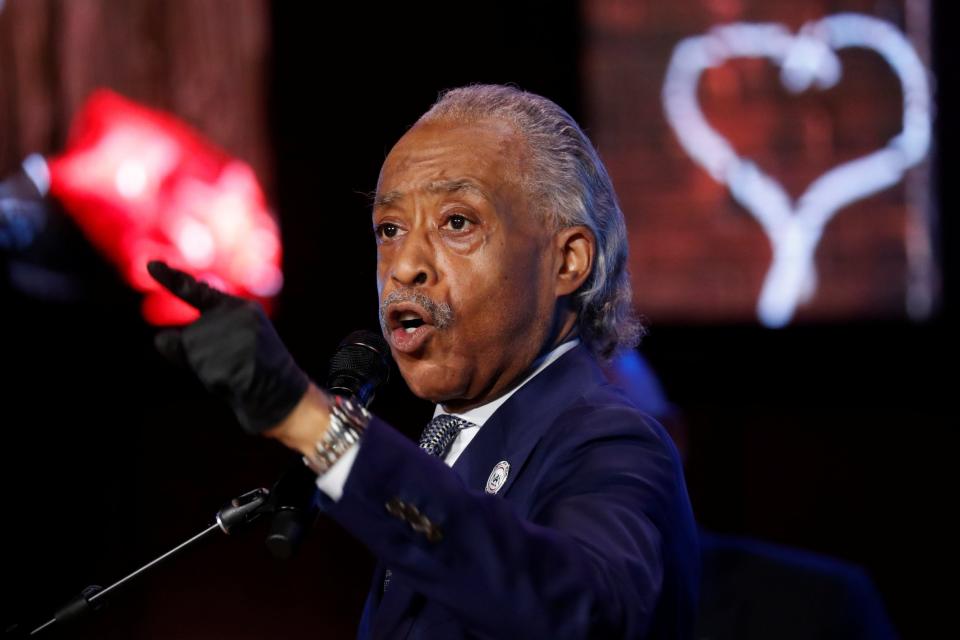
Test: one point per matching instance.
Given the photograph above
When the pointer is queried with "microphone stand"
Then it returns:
(241, 511)
(359, 366)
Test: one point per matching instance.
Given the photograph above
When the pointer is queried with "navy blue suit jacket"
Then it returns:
(591, 535)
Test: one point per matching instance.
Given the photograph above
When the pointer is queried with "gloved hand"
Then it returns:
(233, 349)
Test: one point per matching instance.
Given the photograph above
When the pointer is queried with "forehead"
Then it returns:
(485, 156)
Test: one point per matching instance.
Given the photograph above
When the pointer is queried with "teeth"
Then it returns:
(409, 321)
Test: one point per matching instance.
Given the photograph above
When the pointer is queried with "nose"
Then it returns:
(414, 260)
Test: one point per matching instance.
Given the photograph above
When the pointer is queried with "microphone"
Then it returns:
(358, 367)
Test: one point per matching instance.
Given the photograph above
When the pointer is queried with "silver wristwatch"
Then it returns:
(348, 420)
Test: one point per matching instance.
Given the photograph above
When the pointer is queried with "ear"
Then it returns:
(575, 249)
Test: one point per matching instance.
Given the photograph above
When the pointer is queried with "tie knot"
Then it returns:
(440, 432)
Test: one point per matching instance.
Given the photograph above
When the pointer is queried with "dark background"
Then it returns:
(835, 438)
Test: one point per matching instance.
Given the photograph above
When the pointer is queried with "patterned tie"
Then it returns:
(441, 432)
(436, 438)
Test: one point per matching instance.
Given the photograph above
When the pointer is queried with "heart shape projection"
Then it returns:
(805, 58)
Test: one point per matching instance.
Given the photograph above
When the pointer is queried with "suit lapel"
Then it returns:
(515, 428)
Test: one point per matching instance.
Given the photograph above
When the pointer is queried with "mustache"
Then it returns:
(441, 315)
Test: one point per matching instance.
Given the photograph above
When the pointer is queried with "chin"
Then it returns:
(427, 380)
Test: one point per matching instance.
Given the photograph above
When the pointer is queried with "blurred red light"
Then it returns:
(142, 186)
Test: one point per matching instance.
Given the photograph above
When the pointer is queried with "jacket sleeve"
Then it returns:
(586, 561)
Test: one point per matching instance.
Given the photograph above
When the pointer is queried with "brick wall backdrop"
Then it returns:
(698, 255)
(205, 62)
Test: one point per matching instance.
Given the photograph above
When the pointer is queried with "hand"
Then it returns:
(234, 351)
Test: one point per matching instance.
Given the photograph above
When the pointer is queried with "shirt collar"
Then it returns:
(479, 415)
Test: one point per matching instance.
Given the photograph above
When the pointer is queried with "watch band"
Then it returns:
(348, 421)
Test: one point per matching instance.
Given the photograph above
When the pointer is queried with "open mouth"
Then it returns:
(410, 321)
(407, 316)
(409, 326)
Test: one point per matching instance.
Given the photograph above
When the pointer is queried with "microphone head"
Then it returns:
(360, 365)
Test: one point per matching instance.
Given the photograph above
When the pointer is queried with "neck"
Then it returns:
(562, 332)
(543, 359)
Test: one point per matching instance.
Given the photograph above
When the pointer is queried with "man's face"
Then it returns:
(464, 267)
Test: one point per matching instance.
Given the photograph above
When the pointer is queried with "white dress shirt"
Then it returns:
(332, 482)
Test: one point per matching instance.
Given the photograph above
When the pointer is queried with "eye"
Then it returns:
(386, 231)
(458, 222)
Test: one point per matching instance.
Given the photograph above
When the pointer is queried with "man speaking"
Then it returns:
(540, 502)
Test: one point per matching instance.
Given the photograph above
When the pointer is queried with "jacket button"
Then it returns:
(396, 507)
(433, 533)
(424, 525)
(410, 513)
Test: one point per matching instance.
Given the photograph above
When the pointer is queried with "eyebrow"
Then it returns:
(390, 198)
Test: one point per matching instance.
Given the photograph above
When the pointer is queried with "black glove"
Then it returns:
(233, 349)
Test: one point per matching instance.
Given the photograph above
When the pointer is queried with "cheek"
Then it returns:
(496, 298)
(380, 280)
(383, 267)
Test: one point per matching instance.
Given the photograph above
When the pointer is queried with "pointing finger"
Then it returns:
(185, 286)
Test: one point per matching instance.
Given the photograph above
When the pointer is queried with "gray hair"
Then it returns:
(565, 175)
